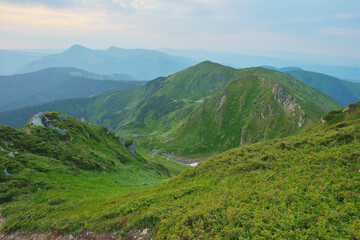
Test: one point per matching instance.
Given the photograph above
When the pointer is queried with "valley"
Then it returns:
(184, 120)
(200, 111)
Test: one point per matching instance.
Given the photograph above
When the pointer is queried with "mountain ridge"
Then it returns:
(161, 110)
(55, 83)
(140, 63)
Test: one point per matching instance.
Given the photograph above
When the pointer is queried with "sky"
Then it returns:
(324, 27)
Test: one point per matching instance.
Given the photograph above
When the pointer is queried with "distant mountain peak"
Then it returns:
(76, 48)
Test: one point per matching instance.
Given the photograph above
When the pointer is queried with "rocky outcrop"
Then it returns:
(288, 102)
(42, 121)
(220, 104)
(122, 141)
(132, 149)
(301, 121)
(346, 109)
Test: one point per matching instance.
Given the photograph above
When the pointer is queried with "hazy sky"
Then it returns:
(328, 27)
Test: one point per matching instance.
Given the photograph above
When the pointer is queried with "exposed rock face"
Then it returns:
(132, 149)
(301, 121)
(42, 121)
(121, 140)
(287, 101)
(242, 140)
(220, 104)
(346, 109)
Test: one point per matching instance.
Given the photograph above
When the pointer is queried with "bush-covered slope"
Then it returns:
(341, 91)
(61, 162)
(298, 187)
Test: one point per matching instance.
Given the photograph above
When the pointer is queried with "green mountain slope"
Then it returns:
(61, 162)
(202, 110)
(55, 83)
(341, 91)
(298, 187)
(255, 104)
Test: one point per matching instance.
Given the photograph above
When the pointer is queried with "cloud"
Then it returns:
(309, 25)
(341, 32)
(39, 18)
(347, 15)
(47, 3)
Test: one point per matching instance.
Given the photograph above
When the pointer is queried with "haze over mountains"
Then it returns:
(144, 64)
(51, 84)
(139, 63)
(341, 67)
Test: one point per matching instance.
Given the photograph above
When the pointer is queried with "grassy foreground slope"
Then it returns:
(300, 187)
(67, 164)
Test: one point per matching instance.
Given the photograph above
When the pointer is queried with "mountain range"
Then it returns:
(199, 111)
(340, 67)
(343, 92)
(51, 84)
(142, 64)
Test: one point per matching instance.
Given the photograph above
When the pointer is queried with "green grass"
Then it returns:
(66, 177)
(299, 187)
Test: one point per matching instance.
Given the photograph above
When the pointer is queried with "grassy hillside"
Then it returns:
(256, 104)
(202, 110)
(341, 91)
(297, 187)
(69, 163)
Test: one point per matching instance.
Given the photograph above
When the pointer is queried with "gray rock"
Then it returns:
(37, 120)
(11, 154)
(121, 140)
(346, 109)
(2, 149)
(6, 173)
(62, 117)
(42, 121)
(301, 121)
(61, 132)
(132, 149)
(287, 101)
